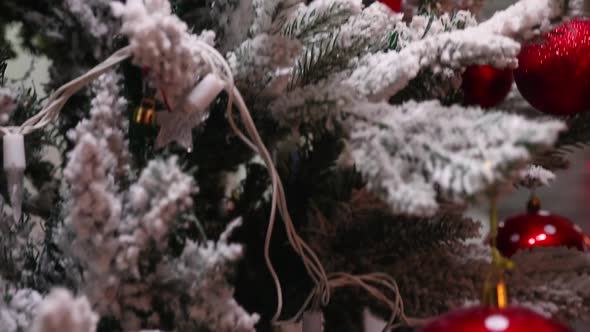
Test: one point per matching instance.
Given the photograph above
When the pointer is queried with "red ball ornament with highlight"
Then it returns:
(538, 229)
(486, 86)
(395, 5)
(553, 74)
(491, 319)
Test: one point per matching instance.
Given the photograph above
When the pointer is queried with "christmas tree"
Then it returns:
(268, 165)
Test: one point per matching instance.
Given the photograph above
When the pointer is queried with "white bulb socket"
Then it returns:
(204, 93)
(14, 152)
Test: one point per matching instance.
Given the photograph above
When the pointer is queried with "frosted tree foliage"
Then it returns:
(359, 109)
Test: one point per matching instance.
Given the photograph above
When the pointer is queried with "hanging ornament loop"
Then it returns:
(534, 203)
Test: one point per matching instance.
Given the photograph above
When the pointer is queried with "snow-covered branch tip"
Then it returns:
(162, 45)
(107, 120)
(18, 308)
(534, 176)
(306, 21)
(202, 271)
(264, 63)
(381, 75)
(416, 154)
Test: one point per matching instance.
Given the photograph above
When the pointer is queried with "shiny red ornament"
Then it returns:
(486, 86)
(491, 319)
(554, 70)
(536, 229)
(395, 5)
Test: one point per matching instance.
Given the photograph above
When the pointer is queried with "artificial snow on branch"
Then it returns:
(266, 11)
(332, 49)
(162, 45)
(18, 307)
(368, 29)
(536, 176)
(94, 209)
(201, 274)
(417, 154)
(314, 103)
(161, 193)
(264, 63)
(381, 75)
(116, 237)
(229, 18)
(107, 119)
(60, 311)
(425, 25)
(306, 21)
(522, 17)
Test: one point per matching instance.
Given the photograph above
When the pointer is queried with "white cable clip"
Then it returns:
(204, 93)
(14, 167)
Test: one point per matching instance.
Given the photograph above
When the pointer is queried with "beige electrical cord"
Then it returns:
(58, 98)
(323, 282)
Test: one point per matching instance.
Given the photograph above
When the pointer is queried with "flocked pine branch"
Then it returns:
(381, 75)
(266, 12)
(60, 311)
(18, 307)
(332, 54)
(331, 50)
(201, 274)
(118, 279)
(417, 154)
(107, 120)
(96, 19)
(264, 63)
(306, 21)
(227, 18)
(536, 176)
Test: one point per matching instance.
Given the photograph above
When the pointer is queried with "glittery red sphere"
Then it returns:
(486, 86)
(395, 5)
(489, 319)
(554, 70)
(531, 230)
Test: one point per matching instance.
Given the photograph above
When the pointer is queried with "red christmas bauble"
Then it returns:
(553, 74)
(536, 229)
(486, 86)
(395, 5)
(490, 319)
